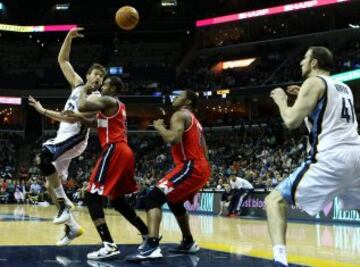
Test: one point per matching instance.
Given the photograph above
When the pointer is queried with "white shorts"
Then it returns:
(313, 185)
(64, 151)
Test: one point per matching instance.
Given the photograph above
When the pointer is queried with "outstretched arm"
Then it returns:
(64, 58)
(86, 119)
(174, 134)
(50, 113)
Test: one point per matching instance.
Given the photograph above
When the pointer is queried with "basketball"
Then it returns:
(127, 18)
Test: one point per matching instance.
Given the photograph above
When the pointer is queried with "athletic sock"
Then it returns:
(104, 233)
(279, 252)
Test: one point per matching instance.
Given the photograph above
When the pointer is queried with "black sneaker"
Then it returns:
(148, 252)
(186, 247)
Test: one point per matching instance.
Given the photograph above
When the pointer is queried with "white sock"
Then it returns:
(279, 252)
(59, 192)
(73, 224)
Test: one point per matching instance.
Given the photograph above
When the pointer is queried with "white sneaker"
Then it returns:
(70, 235)
(106, 251)
(63, 215)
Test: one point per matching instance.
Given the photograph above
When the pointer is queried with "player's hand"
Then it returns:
(89, 88)
(35, 104)
(279, 96)
(293, 90)
(75, 33)
(158, 123)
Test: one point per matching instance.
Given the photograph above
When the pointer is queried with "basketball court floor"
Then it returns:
(27, 238)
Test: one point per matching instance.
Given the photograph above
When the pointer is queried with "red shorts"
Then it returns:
(113, 174)
(185, 180)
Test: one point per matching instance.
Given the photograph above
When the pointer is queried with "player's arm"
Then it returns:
(64, 58)
(174, 134)
(94, 104)
(87, 119)
(50, 113)
(310, 92)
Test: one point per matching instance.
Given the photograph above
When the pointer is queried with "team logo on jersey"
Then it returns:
(165, 187)
(94, 189)
(102, 123)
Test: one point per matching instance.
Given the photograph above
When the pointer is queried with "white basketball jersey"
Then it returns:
(332, 123)
(66, 129)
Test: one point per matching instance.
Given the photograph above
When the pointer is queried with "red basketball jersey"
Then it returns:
(190, 146)
(112, 129)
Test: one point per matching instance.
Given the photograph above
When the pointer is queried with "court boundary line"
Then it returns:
(266, 254)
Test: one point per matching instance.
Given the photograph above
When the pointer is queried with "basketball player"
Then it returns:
(113, 175)
(332, 166)
(71, 139)
(190, 174)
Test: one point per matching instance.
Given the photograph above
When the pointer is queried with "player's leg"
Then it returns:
(153, 203)
(109, 249)
(123, 207)
(276, 206)
(276, 218)
(72, 228)
(48, 169)
(187, 245)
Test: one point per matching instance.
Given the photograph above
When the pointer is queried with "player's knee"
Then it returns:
(94, 204)
(122, 206)
(155, 199)
(46, 166)
(273, 199)
(177, 209)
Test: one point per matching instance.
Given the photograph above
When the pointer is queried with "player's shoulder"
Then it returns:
(316, 81)
(180, 114)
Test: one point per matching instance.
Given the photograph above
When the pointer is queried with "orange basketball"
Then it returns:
(127, 18)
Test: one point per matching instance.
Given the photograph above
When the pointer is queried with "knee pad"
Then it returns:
(177, 209)
(122, 206)
(46, 166)
(155, 199)
(94, 204)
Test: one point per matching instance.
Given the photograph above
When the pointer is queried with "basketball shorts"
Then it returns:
(185, 180)
(334, 173)
(64, 150)
(114, 172)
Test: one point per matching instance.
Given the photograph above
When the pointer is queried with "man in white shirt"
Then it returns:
(240, 189)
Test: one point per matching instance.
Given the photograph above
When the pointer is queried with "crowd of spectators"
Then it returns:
(263, 154)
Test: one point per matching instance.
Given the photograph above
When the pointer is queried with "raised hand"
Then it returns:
(75, 33)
